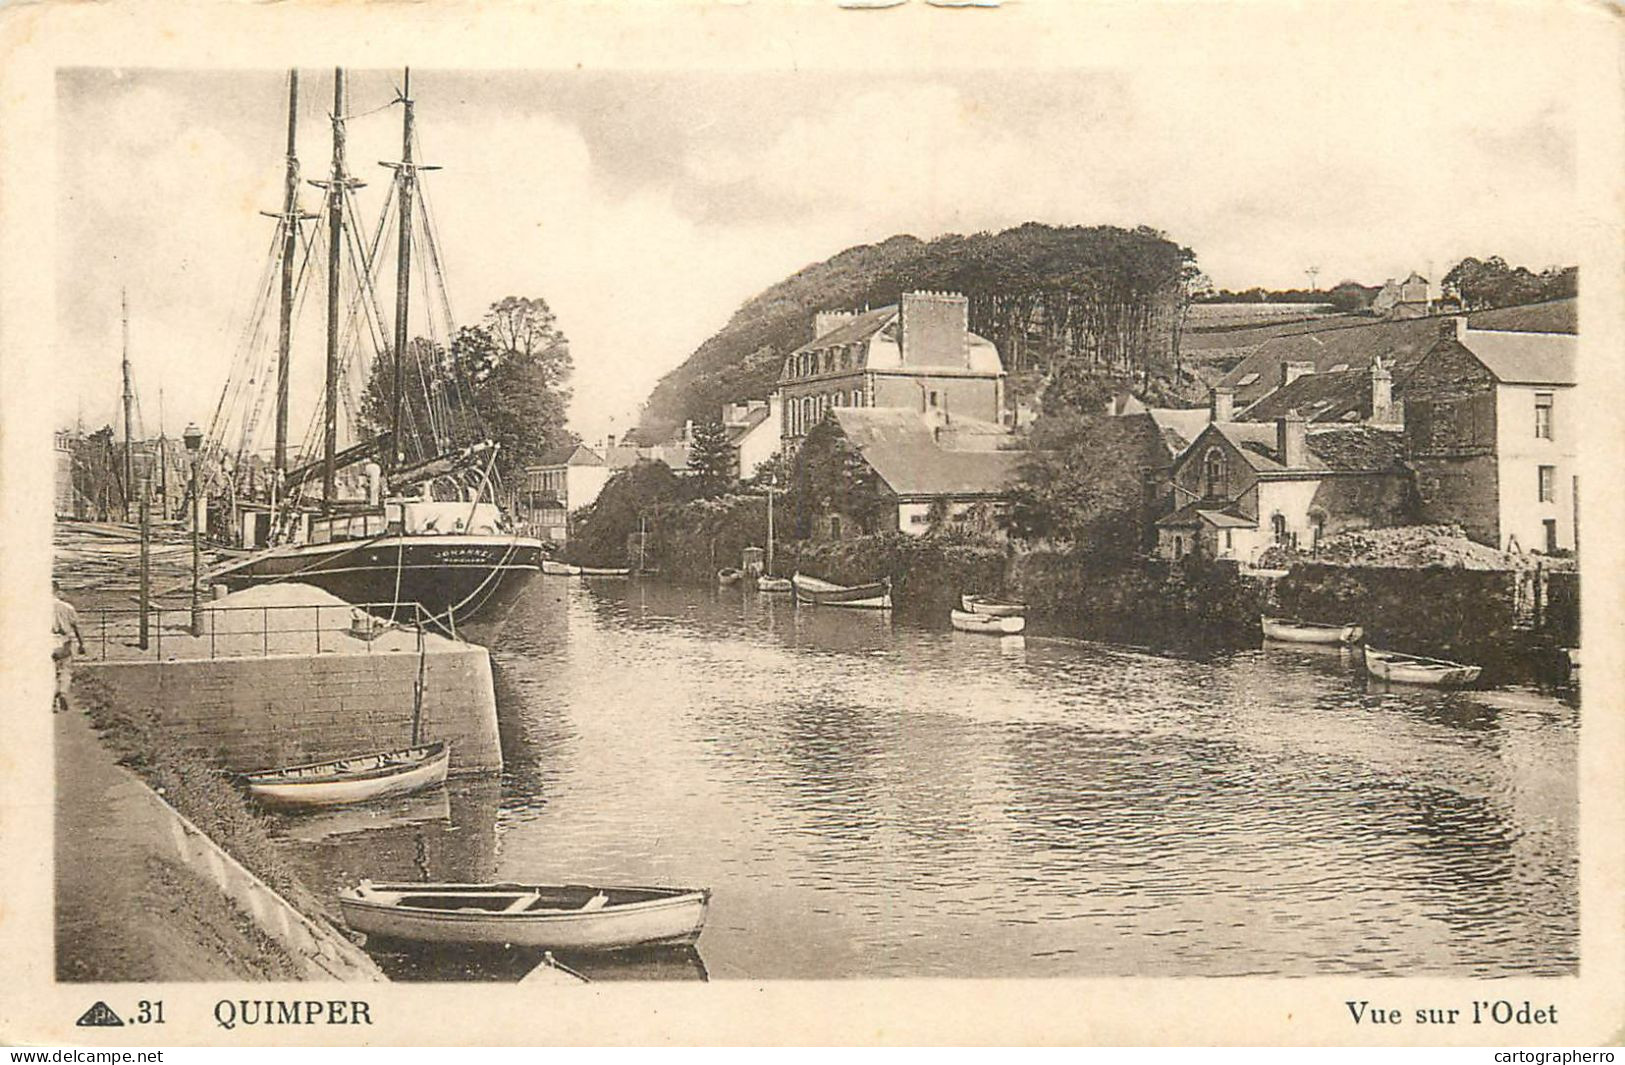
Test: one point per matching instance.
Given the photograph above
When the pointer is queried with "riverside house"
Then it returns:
(1241, 487)
(925, 460)
(919, 354)
(1491, 435)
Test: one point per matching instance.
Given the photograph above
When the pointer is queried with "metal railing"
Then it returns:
(113, 634)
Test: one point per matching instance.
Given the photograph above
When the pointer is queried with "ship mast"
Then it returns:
(336, 187)
(290, 219)
(406, 182)
(129, 402)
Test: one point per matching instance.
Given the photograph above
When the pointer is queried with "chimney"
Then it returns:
(1223, 406)
(1292, 440)
(1292, 369)
(609, 443)
(936, 329)
(826, 322)
(1453, 328)
(1383, 411)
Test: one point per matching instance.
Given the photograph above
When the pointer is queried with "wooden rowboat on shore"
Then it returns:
(566, 918)
(1415, 669)
(1291, 630)
(554, 568)
(873, 596)
(360, 778)
(992, 606)
(970, 621)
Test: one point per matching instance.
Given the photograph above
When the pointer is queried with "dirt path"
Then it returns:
(126, 910)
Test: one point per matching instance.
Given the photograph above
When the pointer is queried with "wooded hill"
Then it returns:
(1054, 299)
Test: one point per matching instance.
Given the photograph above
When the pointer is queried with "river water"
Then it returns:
(870, 798)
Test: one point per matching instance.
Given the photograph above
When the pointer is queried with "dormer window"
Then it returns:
(1251, 378)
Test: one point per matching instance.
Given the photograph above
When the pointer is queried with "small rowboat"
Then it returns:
(992, 606)
(560, 569)
(969, 621)
(1414, 669)
(1291, 630)
(361, 778)
(603, 571)
(564, 918)
(729, 576)
(874, 596)
(764, 583)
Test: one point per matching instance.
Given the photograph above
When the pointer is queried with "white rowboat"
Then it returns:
(968, 621)
(873, 596)
(1291, 630)
(603, 571)
(565, 918)
(992, 606)
(764, 583)
(560, 569)
(1414, 669)
(360, 778)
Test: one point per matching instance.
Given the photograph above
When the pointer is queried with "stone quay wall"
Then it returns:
(255, 712)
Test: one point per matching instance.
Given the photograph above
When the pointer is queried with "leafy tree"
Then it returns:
(504, 380)
(1484, 283)
(711, 459)
(599, 530)
(1081, 484)
(829, 476)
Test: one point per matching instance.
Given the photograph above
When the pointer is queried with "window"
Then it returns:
(1228, 542)
(933, 399)
(1214, 474)
(1543, 415)
(1278, 527)
(1548, 484)
(857, 397)
(1251, 378)
(918, 519)
(834, 527)
(1551, 535)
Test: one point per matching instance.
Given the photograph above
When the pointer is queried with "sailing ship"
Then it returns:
(428, 532)
(765, 581)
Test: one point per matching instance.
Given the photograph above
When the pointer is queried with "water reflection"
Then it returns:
(868, 796)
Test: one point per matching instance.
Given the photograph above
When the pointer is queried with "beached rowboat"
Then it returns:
(361, 778)
(992, 606)
(873, 596)
(728, 576)
(603, 571)
(560, 569)
(764, 583)
(564, 918)
(1414, 669)
(1291, 630)
(969, 621)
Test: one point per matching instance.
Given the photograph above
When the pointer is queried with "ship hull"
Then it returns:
(457, 579)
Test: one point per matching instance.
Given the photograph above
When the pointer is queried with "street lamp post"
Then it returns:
(194, 440)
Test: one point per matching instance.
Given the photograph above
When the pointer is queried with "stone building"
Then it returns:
(1491, 432)
(919, 355)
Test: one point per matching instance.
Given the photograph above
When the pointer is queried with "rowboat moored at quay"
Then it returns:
(873, 596)
(764, 583)
(729, 576)
(360, 778)
(564, 918)
(1291, 630)
(992, 606)
(554, 568)
(604, 571)
(1415, 669)
(970, 621)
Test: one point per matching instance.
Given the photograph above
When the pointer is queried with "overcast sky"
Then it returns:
(646, 207)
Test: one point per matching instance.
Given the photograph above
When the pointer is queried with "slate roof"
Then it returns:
(1179, 426)
(1210, 511)
(1345, 449)
(1524, 358)
(862, 327)
(981, 354)
(1344, 395)
(900, 447)
(1405, 341)
(739, 430)
(569, 455)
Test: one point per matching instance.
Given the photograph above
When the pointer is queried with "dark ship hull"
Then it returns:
(457, 579)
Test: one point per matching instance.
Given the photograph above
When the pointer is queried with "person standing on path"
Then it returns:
(65, 627)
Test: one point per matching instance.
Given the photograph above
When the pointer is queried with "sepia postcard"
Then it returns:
(811, 523)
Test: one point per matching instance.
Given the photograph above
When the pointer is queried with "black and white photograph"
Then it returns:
(1001, 496)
